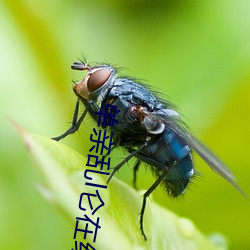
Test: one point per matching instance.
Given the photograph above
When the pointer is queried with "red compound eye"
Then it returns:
(97, 79)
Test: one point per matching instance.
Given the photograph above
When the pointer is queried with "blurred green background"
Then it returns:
(196, 53)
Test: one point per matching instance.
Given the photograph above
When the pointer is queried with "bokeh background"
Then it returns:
(195, 52)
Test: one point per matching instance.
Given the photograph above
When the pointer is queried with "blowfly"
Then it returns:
(149, 129)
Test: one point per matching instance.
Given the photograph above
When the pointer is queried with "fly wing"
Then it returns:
(210, 158)
(174, 123)
(207, 155)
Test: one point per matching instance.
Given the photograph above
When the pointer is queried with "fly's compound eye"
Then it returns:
(97, 79)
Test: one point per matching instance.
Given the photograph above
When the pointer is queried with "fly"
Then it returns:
(149, 128)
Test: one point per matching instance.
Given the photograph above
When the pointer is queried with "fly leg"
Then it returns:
(136, 167)
(109, 152)
(145, 196)
(75, 123)
(127, 158)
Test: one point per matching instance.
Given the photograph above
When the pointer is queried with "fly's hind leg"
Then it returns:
(145, 196)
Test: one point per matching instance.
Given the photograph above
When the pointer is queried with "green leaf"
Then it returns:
(63, 170)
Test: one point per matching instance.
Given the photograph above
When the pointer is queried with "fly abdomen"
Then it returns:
(178, 176)
(172, 156)
(177, 147)
(180, 166)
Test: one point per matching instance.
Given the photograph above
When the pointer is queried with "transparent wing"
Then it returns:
(207, 155)
(175, 124)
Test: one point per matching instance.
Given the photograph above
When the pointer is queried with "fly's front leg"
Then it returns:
(75, 123)
(145, 196)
